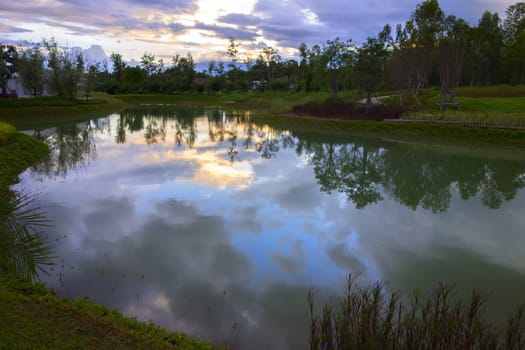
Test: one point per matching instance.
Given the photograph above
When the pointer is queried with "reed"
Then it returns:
(376, 317)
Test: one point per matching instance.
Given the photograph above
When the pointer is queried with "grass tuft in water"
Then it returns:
(375, 317)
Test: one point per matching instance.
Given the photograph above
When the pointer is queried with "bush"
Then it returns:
(7, 132)
(339, 109)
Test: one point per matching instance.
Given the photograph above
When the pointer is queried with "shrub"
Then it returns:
(7, 132)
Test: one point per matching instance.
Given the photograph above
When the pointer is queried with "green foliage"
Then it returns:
(7, 64)
(375, 317)
(7, 132)
(66, 73)
(30, 67)
(15, 157)
(22, 246)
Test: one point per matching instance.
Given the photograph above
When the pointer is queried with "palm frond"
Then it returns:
(22, 245)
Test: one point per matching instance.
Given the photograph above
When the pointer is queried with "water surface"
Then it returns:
(210, 224)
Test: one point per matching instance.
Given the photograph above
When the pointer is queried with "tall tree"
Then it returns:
(337, 55)
(118, 66)
(513, 56)
(452, 47)
(8, 57)
(183, 72)
(30, 65)
(150, 65)
(514, 23)
(485, 52)
(369, 67)
(66, 70)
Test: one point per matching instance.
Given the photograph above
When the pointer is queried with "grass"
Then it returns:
(15, 157)
(492, 91)
(373, 317)
(33, 318)
(44, 112)
(455, 135)
(499, 106)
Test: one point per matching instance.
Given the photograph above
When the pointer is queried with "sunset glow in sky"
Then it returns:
(203, 27)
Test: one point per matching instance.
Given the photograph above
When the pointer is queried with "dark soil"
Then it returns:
(337, 109)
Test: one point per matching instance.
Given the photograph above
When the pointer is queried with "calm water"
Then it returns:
(209, 224)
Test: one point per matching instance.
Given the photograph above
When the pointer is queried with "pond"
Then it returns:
(209, 223)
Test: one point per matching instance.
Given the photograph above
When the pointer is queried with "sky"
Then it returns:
(203, 27)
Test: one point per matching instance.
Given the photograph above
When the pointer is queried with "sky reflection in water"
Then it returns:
(207, 223)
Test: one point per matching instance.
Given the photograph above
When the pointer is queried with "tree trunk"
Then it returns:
(368, 102)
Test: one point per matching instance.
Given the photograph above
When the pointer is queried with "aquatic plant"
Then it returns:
(375, 317)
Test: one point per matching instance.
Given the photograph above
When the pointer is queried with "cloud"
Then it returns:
(222, 31)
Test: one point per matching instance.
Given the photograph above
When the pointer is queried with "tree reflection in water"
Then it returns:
(71, 146)
(364, 170)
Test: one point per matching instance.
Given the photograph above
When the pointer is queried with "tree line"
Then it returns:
(430, 49)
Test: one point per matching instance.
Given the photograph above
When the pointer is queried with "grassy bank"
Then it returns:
(499, 106)
(16, 154)
(33, 318)
(43, 112)
(455, 135)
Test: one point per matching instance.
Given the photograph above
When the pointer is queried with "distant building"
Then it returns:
(15, 88)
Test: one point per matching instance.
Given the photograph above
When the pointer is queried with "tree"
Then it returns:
(150, 66)
(8, 57)
(513, 57)
(235, 74)
(485, 52)
(30, 65)
(66, 71)
(452, 47)
(233, 52)
(90, 79)
(270, 56)
(183, 72)
(337, 55)
(118, 66)
(369, 67)
(514, 22)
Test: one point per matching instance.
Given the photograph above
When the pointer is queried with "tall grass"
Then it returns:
(375, 317)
